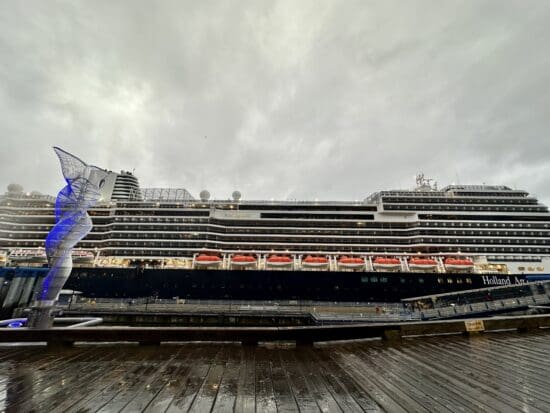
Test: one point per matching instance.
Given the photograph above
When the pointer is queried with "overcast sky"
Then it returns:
(286, 100)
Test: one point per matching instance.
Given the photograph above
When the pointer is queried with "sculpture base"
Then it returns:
(40, 317)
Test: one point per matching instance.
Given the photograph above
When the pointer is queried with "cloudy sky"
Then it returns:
(285, 100)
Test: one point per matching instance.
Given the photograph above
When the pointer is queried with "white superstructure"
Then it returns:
(491, 226)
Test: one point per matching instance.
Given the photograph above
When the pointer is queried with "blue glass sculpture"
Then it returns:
(72, 223)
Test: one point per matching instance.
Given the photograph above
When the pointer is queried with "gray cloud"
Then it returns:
(319, 99)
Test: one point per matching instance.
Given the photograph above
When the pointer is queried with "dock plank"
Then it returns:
(501, 367)
(246, 394)
(315, 383)
(472, 382)
(302, 395)
(227, 391)
(194, 379)
(175, 375)
(489, 372)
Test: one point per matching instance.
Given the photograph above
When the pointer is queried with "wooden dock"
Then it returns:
(492, 372)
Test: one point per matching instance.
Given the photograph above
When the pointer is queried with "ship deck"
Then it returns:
(490, 373)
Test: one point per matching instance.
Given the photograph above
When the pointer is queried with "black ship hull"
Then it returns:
(21, 284)
(274, 285)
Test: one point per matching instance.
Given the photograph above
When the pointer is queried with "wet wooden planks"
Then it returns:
(487, 373)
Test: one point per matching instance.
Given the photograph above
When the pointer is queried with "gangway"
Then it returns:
(481, 301)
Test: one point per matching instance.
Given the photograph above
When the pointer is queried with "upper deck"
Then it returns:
(471, 220)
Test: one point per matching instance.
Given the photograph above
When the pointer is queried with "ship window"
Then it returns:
(468, 280)
(440, 280)
(459, 280)
(420, 280)
(373, 279)
(383, 279)
(364, 279)
(402, 280)
(521, 268)
(449, 280)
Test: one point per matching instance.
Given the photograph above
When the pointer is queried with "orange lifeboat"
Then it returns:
(422, 263)
(315, 262)
(386, 263)
(206, 260)
(351, 262)
(459, 263)
(279, 261)
(243, 261)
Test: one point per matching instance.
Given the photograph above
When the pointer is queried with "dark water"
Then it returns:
(493, 373)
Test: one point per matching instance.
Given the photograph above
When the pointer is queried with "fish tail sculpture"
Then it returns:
(72, 223)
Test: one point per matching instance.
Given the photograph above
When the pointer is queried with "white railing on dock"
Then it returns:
(498, 305)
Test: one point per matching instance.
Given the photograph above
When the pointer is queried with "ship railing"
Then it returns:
(154, 304)
(494, 299)
(333, 318)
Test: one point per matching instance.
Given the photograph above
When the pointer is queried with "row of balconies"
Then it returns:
(468, 208)
(177, 239)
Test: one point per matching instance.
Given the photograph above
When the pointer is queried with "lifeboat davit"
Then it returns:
(459, 264)
(351, 262)
(243, 261)
(386, 263)
(422, 264)
(205, 260)
(279, 261)
(315, 262)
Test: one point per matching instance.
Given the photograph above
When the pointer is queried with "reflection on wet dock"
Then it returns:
(490, 372)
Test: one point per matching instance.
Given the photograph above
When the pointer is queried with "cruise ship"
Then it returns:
(164, 242)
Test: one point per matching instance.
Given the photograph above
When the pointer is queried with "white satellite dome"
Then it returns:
(204, 195)
(15, 188)
(236, 195)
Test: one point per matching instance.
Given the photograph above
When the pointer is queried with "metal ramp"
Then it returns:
(481, 302)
